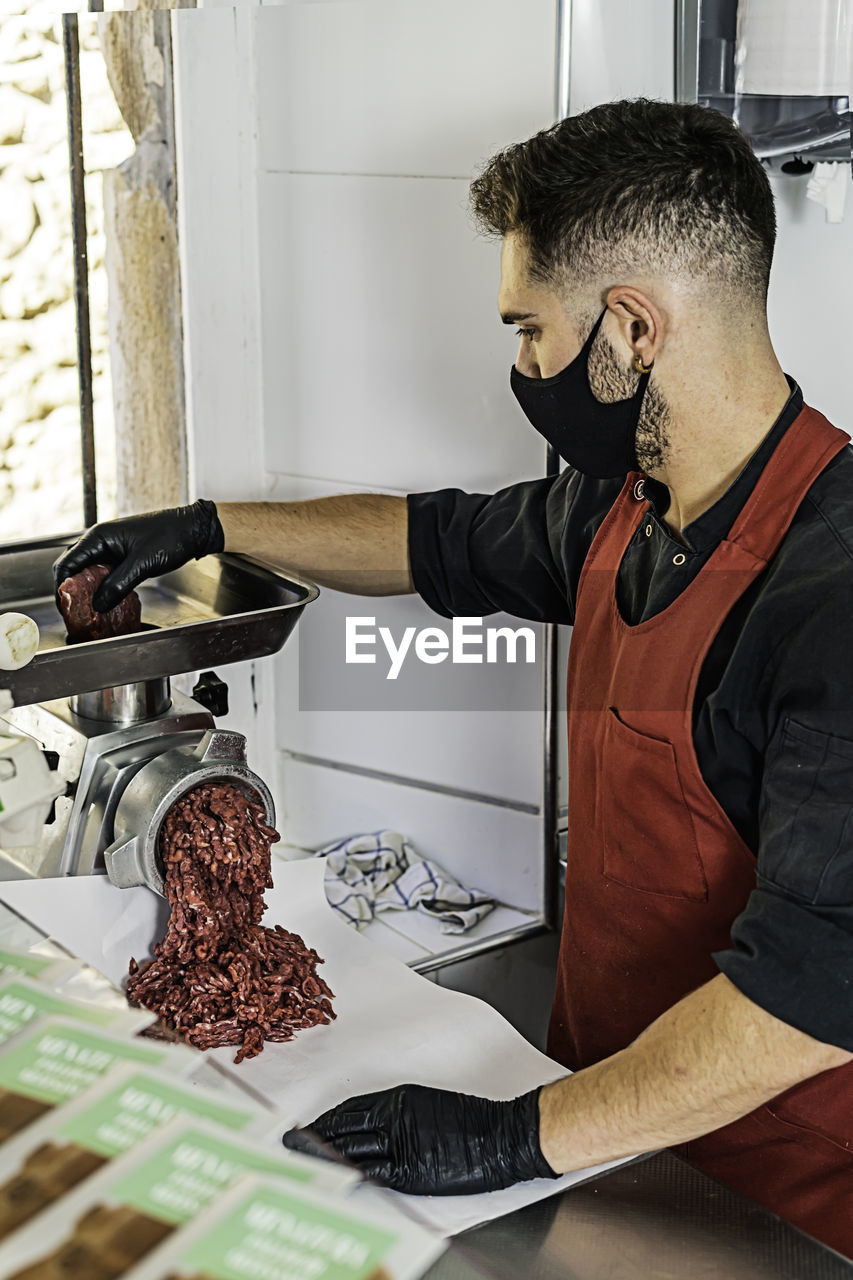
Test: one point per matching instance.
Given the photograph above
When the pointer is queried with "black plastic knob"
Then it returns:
(797, 166)
(212, 693)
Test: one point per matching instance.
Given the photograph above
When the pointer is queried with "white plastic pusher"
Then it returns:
(28, 787)
(19, 641)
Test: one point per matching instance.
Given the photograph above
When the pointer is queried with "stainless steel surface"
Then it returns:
(467, 950)
(71, 49)
(563, 76)
(219, 755)
(659, 1219)
(550, 797)
(563, 841)
(211, 612)
(124, 703)
(686, 50)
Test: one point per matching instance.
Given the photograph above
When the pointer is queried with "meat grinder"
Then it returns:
(116, 746)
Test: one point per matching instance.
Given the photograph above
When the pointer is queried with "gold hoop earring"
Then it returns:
(637, 363)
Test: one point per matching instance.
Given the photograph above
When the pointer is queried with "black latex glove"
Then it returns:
(142, 547)
(434, 1142)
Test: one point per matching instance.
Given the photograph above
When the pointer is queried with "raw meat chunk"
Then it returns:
(82, 621)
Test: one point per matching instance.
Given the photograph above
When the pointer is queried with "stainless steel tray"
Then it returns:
(221, 609)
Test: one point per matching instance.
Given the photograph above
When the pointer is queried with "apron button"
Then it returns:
(680, 558)
(639, 491)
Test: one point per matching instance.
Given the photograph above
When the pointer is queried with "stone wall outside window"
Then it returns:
(40, 484)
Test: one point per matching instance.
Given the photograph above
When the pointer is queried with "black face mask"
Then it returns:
(599, 439)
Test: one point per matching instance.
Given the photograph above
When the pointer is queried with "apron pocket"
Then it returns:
(821, 1105)
(648, 835)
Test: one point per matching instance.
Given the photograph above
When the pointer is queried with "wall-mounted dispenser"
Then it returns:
(780, 68)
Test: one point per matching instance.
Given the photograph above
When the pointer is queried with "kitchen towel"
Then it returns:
(380, 871)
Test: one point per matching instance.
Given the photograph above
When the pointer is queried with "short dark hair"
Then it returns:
(636, 185)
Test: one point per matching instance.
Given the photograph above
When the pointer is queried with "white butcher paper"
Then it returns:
(393, 1025)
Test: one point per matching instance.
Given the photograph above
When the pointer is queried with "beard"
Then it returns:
(609, 381)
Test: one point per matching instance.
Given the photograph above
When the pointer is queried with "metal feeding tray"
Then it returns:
(221, 609)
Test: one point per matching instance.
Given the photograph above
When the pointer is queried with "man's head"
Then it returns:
(636, 189)
(658, 210)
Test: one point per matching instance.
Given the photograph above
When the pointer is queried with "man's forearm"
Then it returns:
(353, 542)
(707, 1061)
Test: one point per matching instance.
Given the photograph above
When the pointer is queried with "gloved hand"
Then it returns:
(142, 547)
(433, 1142)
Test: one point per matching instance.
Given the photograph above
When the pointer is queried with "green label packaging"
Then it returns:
(122, 1108)
(194, 1163)
(56, 1153)
(129, 1104)
(54, 1059)
(22, 999)
(262, 1230)
(31, 965)
(278, 1236)
(129, 1206)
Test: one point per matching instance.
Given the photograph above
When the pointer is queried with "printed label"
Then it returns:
(57, 1063)
(12, 962)
(19, 1004)
(123, 1116)
(275, 1236)
(186, 1173)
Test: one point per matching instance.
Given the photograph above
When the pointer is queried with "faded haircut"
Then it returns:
(636, 188)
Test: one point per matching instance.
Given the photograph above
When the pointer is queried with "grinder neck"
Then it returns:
(124, 704)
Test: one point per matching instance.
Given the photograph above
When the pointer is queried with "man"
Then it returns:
(701, 542)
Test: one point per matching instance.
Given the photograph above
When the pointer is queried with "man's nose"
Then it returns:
(526, 362)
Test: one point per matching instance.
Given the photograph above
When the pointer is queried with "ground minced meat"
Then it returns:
(220, 977)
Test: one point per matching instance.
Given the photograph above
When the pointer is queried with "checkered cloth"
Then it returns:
(380, 871)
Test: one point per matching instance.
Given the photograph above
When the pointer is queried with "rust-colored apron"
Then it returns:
(656, 872)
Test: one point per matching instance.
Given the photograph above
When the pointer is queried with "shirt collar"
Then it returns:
(713, 525)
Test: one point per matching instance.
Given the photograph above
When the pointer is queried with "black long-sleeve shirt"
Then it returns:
(773, 713)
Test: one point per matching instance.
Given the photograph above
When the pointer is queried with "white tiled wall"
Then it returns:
(213, 54)
(810, 285)
(487, 846)
(472, 751)
(622, 49)
(391, 87)
(491, 748)
(385, 361)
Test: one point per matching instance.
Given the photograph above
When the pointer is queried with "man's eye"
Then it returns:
(525, 333)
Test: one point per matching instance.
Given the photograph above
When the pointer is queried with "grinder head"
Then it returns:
(133, 858)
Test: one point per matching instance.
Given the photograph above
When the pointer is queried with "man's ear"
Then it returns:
(640, 321)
